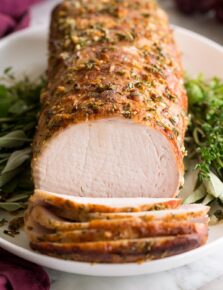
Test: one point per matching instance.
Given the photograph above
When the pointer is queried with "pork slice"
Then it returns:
(122, 251)
(80, 207)
(49, 220)
(113, 113)
(181, 212)
(122, 229)
(190, 211)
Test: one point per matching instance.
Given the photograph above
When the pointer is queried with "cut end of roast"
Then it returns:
(108, 158)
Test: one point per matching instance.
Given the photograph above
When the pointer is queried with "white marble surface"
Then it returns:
(205, 274)
(190, 277)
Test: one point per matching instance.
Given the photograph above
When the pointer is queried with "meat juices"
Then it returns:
(113, 114)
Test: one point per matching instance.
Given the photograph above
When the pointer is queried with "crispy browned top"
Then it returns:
(113, 58)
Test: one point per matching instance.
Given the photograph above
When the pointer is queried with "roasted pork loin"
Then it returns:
(113, 114)
(108, 151)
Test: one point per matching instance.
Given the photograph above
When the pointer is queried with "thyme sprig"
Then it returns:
(205, 130)
(204, 142)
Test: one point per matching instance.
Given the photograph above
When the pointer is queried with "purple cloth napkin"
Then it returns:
(14, 15)
(19, 274)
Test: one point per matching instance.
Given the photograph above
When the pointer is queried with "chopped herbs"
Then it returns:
(146, 15)
(206, 125)
(15, 224)
(175, 131)
(128, 36)
(120, 72)
(111, 10)
(10, 233)
(133, 85)
(90, 64)
(127, 111)
(170, 96)
(3, 221)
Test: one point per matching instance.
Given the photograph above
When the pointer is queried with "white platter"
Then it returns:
(26, 52)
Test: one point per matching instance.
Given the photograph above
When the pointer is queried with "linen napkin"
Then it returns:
(19, 274)
(14, 15)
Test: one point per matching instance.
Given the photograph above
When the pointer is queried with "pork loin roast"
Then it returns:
(130, 238)
(113, 114)
(80, 207)
(108, 151)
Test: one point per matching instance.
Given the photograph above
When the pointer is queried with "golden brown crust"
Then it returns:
(113, 58)
(122, 251)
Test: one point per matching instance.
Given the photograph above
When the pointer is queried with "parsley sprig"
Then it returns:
(205, 130)
(204, 140)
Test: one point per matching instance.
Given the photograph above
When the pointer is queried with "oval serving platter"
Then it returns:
(26, 53)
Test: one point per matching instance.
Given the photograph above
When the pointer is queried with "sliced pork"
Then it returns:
(123, 251)
(108, 151)
(112, 231)
(184, 212)
(48, 219)
(133, 228)
(113, 119)
(79, 207)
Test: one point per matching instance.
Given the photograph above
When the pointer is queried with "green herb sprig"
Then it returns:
(204, 139)
(19, 106)
(206, 125)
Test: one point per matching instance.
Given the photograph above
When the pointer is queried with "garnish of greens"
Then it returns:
(19, 106)
(204, 142)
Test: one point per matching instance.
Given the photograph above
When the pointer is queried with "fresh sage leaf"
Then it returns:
(3, 92)
(208, 198)
(5, 104)
(11, 206)
(18, 197)
(8, 70)
(4, 155)
(6, 177)
(13, 139)
(18, 108)
(214, 186)
(16, 159)
(3, 160)
(10, 186)
(29, 126)
(195, 196)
